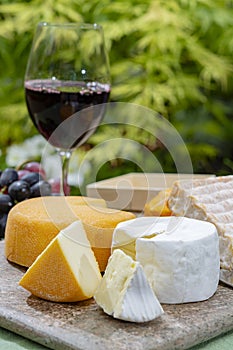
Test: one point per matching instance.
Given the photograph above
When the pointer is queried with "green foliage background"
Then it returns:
(173, 56)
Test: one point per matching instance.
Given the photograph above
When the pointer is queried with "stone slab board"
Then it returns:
(84, 326)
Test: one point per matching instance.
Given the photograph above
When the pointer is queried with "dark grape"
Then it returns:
(22, 172)
(8, 176)
(19, 190)
(32, 178)
(41, 188)
(3, 220)
(17, 186)
(35, 167)
(6, 203)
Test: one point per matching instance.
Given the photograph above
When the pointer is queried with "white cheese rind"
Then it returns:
(182, 265)
(180, 256)
(126, 233)
(200, 198)
(124, 291)
(209, 200)
(139, 303)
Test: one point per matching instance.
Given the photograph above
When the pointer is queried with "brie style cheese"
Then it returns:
(210, 200)
(126, 233)
(124, 291)
(180, 256)
(201, 198)
(182, 265)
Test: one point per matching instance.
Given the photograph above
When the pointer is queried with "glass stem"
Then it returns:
(65, 159)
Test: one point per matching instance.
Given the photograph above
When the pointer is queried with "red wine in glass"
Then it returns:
(50, 103)
(67, 85)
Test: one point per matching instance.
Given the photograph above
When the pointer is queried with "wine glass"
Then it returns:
(67, 75)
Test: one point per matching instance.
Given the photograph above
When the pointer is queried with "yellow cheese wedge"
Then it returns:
(158, 205)
(33, 223)
(66, 271)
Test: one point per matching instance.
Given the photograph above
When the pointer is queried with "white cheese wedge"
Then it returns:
(124, 291)
(211, 200)
(66, 270)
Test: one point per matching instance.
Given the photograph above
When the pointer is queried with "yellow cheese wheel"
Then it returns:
(33, 223)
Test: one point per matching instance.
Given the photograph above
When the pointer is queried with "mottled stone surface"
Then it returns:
(83, 325)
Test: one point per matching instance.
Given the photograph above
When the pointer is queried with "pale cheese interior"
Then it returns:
(66, 270)
(118, 275)
(80, 257)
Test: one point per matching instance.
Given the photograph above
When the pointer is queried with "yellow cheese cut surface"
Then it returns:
(33, 223)
(66, 271)
(157, 206)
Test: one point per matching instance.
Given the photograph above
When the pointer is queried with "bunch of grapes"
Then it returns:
(19, 185)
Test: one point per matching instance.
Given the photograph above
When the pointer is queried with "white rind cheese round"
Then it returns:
(126, 234)
(124, 291)
(180, 256)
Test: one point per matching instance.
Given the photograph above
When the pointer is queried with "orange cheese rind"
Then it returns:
(66, 270)
(32, 224)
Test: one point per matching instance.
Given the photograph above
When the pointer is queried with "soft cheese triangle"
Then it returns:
(124, 291)
(66, 271)
(180, 256)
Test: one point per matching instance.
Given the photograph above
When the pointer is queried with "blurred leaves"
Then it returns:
(173, 56)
